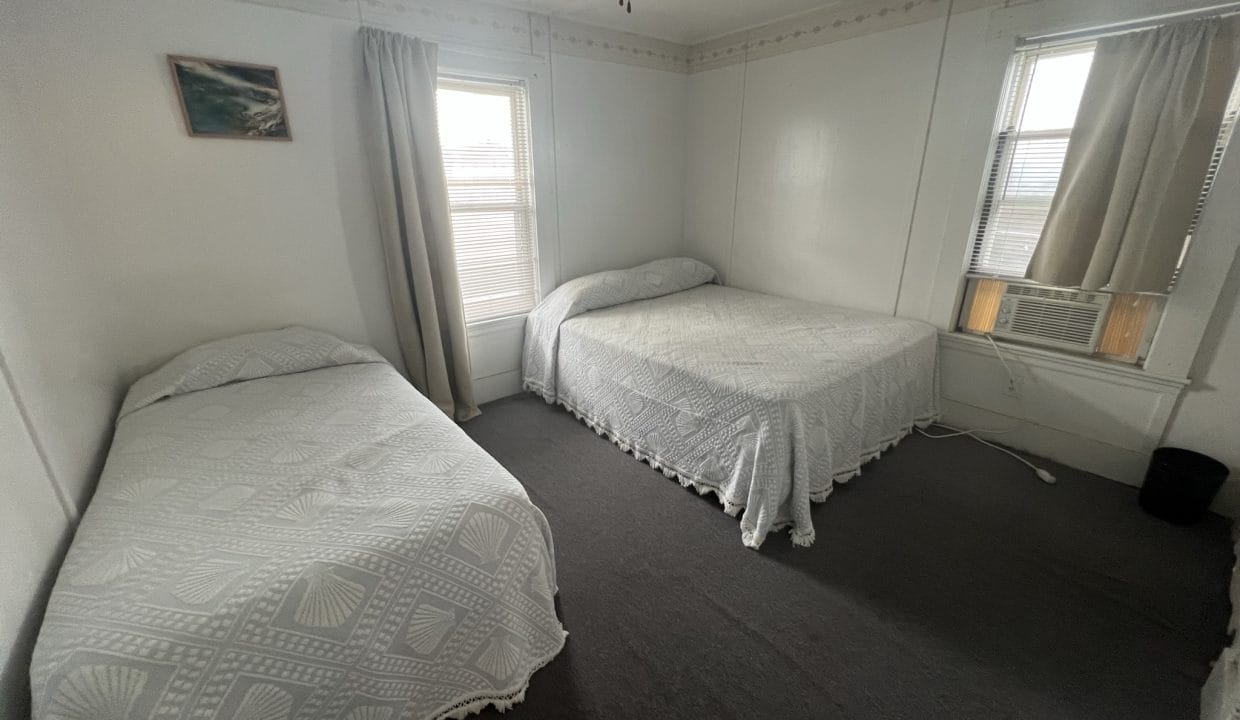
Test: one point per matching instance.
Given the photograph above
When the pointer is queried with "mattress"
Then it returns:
(286, 529)
(766, 402)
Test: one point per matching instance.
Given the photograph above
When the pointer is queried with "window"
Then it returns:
(1039, 109)
(484, 131)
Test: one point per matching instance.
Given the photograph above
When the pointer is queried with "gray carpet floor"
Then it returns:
(945, 582)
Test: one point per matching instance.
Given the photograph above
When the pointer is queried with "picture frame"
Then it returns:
(228, 99)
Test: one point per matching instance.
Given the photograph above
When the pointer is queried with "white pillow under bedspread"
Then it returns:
(765, 401)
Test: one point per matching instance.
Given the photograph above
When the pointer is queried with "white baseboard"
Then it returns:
(498, 386)
(1071, 449)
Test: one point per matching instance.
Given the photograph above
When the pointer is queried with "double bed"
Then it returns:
(766, 402)
(285, 529)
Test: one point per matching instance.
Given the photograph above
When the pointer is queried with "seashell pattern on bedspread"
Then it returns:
(766, 402)
(315, 540)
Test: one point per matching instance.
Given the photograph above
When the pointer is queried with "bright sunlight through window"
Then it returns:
(484, 131)
(1032, 142)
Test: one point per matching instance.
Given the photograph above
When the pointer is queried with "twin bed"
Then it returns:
(285, 528)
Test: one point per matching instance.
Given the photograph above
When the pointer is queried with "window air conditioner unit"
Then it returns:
(1052, 317)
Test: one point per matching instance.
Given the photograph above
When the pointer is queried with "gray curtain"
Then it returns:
(414, 220)
(1137, 158)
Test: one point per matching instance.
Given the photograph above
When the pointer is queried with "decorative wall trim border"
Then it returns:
(1023, 17)
(483, 25)
(820, 27)
(480, 24)
(342, 9)
(595, 43)
(452, 21)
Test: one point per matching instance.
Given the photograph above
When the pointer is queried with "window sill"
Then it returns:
(504, 324)
(1081, 365)
(979, 275)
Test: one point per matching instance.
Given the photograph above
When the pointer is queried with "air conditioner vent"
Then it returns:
(1050, 293)
(1068, 319)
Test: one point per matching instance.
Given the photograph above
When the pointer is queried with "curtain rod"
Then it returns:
(1145, 23)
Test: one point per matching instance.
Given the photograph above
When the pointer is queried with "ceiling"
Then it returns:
(681, 21)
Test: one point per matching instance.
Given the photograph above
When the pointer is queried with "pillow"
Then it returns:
(592, 292)
(245, 357)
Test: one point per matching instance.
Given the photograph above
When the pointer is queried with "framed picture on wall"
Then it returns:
(223, 99)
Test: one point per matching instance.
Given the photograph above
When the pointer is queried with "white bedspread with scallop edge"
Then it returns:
(286, 529)
(764, 401)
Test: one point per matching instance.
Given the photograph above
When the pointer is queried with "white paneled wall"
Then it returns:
(619, 150)
(970, 84)
(828, 166)
(829, 141)
(712, 147)
(33, 531)
(1208, 416)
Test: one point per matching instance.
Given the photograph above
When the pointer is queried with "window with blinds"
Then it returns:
(1039, 109)
(1040, 104)
(484, 131)
(1043, 94)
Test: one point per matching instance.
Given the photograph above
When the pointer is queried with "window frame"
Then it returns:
(463, 65)
(1001, 136)
(965, 113)
(1176, 314)
(522, 166)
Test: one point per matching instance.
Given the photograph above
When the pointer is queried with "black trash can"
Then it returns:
(1180, 484)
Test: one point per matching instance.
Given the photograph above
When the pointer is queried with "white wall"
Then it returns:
(33, 531)
(1208, 417)
(828, 166)
(619, 149)
(712, 157)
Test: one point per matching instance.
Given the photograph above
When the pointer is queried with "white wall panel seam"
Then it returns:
(62, 496)
(736, 180)
(555, 180)
(925, 151)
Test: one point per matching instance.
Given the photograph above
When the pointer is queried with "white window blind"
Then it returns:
(484, 131)
(1039, 108)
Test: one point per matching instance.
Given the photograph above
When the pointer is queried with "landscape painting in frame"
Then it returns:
(230, 99)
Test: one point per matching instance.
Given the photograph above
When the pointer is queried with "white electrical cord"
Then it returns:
(1043, 475)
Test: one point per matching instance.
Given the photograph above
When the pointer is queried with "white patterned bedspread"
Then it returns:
(764, 401)
(311, 543)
